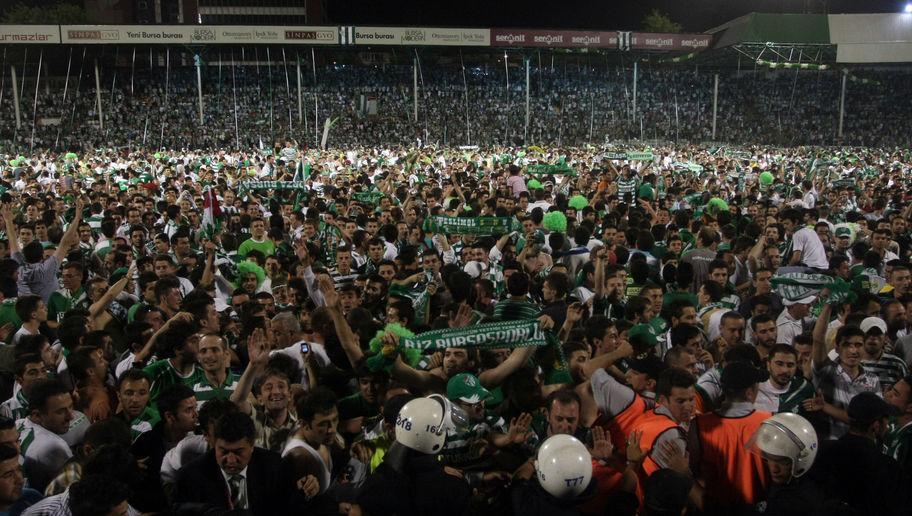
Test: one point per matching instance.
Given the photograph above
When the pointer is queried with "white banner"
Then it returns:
(30, 34)
(168, 34)
(252, 34)
(149, 34)
(422, 36)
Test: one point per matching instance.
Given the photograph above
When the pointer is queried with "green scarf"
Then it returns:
(471, 225)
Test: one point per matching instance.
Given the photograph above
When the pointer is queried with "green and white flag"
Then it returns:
(641, 156)
(471, 225)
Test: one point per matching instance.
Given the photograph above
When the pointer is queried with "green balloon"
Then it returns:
(766, 178)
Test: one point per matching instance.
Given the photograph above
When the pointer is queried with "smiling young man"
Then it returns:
(217, 380)
(842, 379)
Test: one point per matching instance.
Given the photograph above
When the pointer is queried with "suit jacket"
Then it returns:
(201, 487)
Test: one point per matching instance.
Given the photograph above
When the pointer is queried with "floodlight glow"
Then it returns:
(908, 8)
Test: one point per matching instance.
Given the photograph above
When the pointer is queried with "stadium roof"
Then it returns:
(793, 29)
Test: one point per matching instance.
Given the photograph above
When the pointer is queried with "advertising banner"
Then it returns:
(653, 41)
(422, 36)
(250, 34)
(168, 34)
(30, 34)
(552, 38)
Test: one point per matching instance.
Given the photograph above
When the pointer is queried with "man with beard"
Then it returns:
(763, 330)
(784, 391)
(888, 367)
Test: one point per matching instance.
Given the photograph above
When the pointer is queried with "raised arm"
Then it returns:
(819, 350)
(98, 307)
(71, 237)
(347, 337)
(10, 228)
(258, 355)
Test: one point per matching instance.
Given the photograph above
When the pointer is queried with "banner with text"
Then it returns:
(655, 41)
(422, 36)
(167, 34)
(30, 34)
(552, 38)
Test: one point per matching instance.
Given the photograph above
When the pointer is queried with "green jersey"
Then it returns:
(8, 316)
(205, 391)
(898, 444)
(144, 422)
(266, 247)
(63, 300)
(164, 375)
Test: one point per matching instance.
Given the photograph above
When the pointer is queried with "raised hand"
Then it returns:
(602, 448)
(519, 428)
(634, 452)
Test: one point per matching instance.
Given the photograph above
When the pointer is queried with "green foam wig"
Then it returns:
(555, 221)
(378, 361)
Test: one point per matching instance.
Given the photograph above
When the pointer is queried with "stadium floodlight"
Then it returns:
(908, 8)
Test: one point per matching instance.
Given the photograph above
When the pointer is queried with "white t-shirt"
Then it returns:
(768, 397)
(812, 252)
(44, 451)
(294, 351)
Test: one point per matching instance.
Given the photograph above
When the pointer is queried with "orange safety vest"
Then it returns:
(653, 424)
(623, 422)
(733, 475)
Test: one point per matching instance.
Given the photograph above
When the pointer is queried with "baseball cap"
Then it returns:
(741, 375)
(465, 387)
(843, 232)
(645, 331)
(870, 323)
(867, 406)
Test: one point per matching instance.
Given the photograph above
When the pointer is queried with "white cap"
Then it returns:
(873, 322)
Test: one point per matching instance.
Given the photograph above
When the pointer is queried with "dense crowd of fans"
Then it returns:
(572, 103)
(382, 329)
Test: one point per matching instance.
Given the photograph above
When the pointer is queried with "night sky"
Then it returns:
(694, 15)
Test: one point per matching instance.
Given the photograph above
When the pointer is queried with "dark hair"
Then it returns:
(783, 348)
(562, 396)
(7, 452)
(518, 284)
(392, 407)
(235, 426)
(30, 344)
(96, 494)
(171, 396)
(24, 360)
(41, 391)
(318, 401)
(33, 252)
(560, 283)
(175, 337)
(671, 378)
(27, 304)
(844, 332)
(164, 285)
(213, 410)
(133, 375)
(761, 319)
(682, 333)
(111, 431)
(80, 362)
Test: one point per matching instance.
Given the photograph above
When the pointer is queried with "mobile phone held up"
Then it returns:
(305, 348)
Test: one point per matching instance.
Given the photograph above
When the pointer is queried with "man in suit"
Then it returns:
(236, 476)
